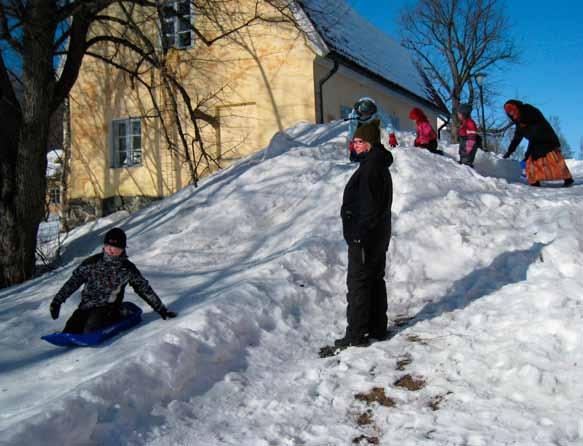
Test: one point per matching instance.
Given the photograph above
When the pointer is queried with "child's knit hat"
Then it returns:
(369, 132)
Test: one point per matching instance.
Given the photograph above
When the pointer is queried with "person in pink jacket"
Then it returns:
(426, 136)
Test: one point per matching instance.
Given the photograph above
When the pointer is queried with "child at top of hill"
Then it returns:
(365, 111)
(469, 139)
(426, 136)
(105, 276)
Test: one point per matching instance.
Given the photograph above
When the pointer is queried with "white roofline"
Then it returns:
(315, 40)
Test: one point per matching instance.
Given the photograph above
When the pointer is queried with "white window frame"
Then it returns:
(172, 38)
(55, 195)
(133, 152)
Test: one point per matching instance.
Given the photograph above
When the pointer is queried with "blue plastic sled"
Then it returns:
(134, 317)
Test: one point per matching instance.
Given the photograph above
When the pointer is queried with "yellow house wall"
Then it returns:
(264, 82)
(256, 83)
(266, 85)
(101, 95)
(346, 86)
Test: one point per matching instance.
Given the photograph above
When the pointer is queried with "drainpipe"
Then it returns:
(441, 127)
(321, 92)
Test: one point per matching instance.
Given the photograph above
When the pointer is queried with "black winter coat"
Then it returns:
(105, 279)
(533, 126)
(367, 200)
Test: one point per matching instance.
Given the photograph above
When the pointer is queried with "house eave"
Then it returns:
(348, 63)
(305, 24)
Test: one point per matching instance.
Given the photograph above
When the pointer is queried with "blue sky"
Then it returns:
(549, 74)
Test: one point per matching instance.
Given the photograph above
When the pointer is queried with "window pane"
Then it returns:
(136, 142)
(183, 24)
(184, 40)
(121, 144)
(184, 8)
(169, 40)
(121, 128)
(168, 11)
(137, 156)
(136, 127)
(168, 27)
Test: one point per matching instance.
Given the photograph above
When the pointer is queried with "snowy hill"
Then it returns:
(253, 260)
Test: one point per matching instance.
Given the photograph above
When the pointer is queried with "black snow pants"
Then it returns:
(92, 319)
(465, 156)
(367, 293)
(432, 147)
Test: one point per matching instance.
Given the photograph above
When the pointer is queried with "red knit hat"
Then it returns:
(416, 114)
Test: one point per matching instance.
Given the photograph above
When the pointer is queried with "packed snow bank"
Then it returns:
(254, 262)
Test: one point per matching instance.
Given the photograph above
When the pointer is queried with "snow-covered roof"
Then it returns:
(348, 34)
(54, 165)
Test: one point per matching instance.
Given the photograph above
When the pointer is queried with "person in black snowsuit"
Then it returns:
(366, 224)
(105, 276)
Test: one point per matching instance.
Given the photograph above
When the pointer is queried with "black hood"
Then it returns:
(377, 154)
(514, 101)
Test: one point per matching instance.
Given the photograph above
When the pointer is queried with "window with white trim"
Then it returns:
(126, 142)
(177, 24)
(55, 195)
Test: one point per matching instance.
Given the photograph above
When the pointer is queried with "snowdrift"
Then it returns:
(484, 276)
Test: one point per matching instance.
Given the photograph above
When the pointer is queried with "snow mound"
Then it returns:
(485, 269)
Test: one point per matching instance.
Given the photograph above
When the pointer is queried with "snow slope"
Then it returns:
(254, 262)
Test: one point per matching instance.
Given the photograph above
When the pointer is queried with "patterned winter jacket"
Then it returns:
(105, 279)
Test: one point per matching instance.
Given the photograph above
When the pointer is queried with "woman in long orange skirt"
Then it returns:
(544, 161)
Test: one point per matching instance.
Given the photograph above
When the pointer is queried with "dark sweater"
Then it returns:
(533, 126)
(367, 199)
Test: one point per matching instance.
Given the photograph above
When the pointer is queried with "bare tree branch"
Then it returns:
(453, 40)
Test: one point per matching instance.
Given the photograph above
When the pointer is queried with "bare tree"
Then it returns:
(566, 148)
(34, 34)
(453, 40)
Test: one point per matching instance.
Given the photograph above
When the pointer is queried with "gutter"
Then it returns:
(442, 126)
(321, 83)
(381, 80)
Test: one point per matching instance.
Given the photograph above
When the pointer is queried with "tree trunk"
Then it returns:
(23, 179)
(10, 267)
(66, 166)
(455, 122)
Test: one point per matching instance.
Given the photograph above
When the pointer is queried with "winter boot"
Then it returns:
(379, 336)
(348, 342)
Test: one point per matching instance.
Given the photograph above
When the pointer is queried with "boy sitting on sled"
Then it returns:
(105, 276)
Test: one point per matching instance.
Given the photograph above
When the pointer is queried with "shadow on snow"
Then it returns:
(507, 268)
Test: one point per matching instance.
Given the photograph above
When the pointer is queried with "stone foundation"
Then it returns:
(83, 210)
